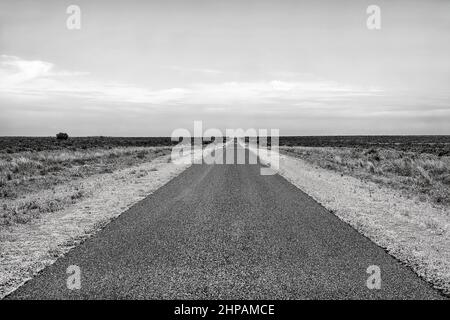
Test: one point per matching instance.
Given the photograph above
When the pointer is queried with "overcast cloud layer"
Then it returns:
(140, 68)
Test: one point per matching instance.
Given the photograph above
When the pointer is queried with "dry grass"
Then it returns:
(24, 175)
(399, 200)
(420, 174)
(28, 248)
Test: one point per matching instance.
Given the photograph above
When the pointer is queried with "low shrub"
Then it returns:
(62, 136)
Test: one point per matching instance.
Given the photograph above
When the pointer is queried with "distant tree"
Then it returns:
(62, 136)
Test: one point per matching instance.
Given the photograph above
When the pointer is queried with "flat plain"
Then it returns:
(47, 184)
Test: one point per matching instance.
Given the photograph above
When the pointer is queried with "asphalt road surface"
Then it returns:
(226, 232)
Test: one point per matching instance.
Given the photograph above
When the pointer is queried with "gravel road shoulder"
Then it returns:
(415, 232)
(26, 249)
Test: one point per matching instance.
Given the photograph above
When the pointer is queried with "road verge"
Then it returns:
(415, 232)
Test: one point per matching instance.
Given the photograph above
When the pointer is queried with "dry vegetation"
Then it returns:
(422, 174)
(395, 191)
(414, 231)
(437, 145)
(33, 144)
(25, 176)
(27, 248)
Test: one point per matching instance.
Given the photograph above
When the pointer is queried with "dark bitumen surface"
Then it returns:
(226, 232)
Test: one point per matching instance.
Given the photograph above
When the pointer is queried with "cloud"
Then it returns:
(15, 71)
(270, 92)
(35, 79)
(37, 97)
(28, 79)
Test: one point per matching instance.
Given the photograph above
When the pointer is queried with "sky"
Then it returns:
(146, 68)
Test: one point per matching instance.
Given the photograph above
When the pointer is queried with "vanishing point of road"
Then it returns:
(227, 232)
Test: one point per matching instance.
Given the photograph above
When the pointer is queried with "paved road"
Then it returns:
(226, 232)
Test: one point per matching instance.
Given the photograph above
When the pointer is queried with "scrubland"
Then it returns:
(421, 174)
(54, 195)
(437, 145)
(33, 183)
(397, 197)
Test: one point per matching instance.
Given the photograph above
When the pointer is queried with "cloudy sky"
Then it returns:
(142, 68)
